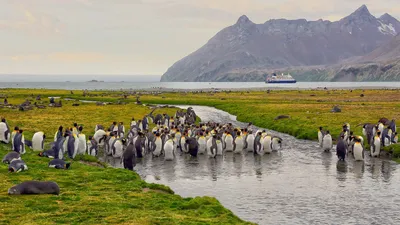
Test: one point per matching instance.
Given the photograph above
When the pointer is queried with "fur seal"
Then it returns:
(35, 187)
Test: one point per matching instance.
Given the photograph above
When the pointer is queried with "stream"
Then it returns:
(298, 185)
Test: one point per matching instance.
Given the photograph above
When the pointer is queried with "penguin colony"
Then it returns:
(178, 134)
(170, 136)
(377, 135)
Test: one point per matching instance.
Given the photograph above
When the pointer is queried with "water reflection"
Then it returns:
(294, 186)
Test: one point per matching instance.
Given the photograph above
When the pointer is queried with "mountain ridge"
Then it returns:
(281, 43)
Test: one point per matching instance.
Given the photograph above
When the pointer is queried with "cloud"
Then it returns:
(62, 57)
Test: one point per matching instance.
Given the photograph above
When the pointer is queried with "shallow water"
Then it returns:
(298, 185)
(193, 85)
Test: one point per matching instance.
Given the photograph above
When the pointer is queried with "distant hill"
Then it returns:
(247, 51)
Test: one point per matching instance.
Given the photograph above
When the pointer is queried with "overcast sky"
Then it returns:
(136, 36)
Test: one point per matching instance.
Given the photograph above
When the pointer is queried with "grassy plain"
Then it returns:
(92, 193)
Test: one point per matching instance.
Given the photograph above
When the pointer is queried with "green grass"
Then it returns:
(92, 192)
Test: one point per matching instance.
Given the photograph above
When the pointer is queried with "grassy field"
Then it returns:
(92, 193)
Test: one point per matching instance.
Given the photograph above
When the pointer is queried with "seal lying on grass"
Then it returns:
(35, 187)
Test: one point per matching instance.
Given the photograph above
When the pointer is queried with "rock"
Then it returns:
(362, 95)
(336, 109)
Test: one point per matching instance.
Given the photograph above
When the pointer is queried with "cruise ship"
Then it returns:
(280, 79)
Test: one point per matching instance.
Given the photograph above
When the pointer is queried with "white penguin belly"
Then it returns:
(169, 150)
(209, 145)
(327, 143)
(37, 140)
(109, 146)
(118, 149)
(202, 145)
(358, 152)
(275, 144)
(228, 143)
(82, 144)
(157, 150)
(250, 143)
(239, 145)
(377, 144)
(219, 147)
(267, 144)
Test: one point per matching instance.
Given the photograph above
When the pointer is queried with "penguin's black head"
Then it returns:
(122, 123)
(351, 132)
(114, 123)
(378, 133)
(238, 133)
(80, 128)
(3, 120)
(201, 133)
(40, 154)
(75, 124)
(133, 118)
(44, 136)
(328, 132)
(90, 137)
(16, 128)
(21, 131)
(67, 165)
(320, 128)
(11, 170)
(60, 128)
(157, 134)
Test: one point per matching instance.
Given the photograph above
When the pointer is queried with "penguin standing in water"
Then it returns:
(321, 134)
(140, 144)
(385, 137)
(238, 144)
(17, 165)
(192, 146)
(327, 142)
(19, 142)
(38, 141)
(118, 147)
(249, 142)
(5, 133)
(376, 145)
(358, 150)
(82, 142)
(92, 147)
(158, 145)
(202, 143)
(228, 147)
(182, 143)
(212, 146)
(341, 148)
(169, 149)
(109, 142)
(267, 144)
(276, 143)
(129, 157)
(59, 164)
(220, 149)
(258, 147)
